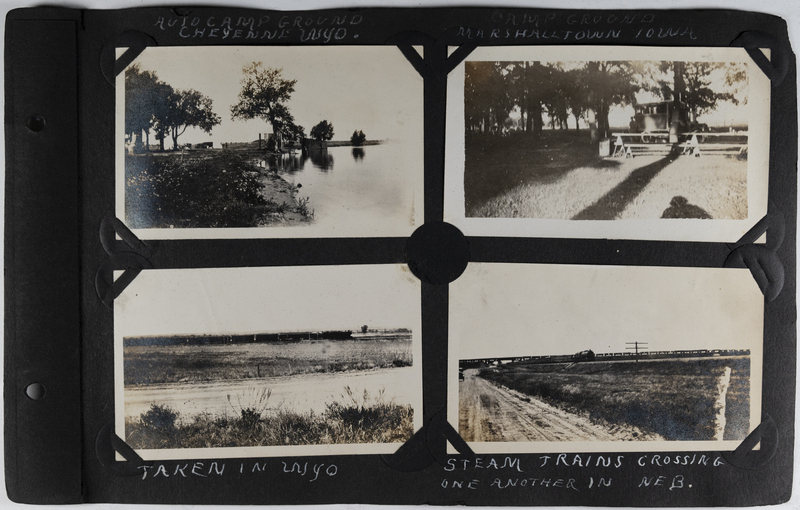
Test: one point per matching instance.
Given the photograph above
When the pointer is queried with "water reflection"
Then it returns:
(291, 163)
(286, 162)
(362, 190)
(321, 159)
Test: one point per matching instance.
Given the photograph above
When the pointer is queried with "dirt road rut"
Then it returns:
(490, 413)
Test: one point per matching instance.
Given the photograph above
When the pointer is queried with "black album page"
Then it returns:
(480, 256)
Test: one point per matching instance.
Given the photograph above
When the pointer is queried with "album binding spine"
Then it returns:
(42, 258)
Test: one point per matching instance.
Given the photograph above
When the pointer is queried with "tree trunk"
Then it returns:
(526, 96)
(276, 135)
(678, 81)
(592, 119)
(603, 126)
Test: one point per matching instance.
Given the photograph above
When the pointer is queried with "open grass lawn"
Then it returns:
(559, 175)
(717, 184)
(167, 364)
(677, 399)
(494, 165)
(357, 419)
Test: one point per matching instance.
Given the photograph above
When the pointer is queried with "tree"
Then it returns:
(145, 100)
(364, 328)
(608, 83)
(264, 95)
(528, 86)
(486, 95)
(322, 131)
(161, 116)
(188, 108)
(358, 138)
(702, 85)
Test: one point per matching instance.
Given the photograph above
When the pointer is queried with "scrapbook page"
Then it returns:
(399, 256)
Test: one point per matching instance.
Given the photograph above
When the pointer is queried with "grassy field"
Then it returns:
(207, 189)
(674, 398)
(560, 175)
(716, 184)
(166, 364)
(356, 419)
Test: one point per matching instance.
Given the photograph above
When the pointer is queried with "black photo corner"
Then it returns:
(476, 253)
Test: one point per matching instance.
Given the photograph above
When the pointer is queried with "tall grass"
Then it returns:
(355, 419)
(676, 399)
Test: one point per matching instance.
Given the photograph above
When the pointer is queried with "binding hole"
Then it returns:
(36, 123)
(35, 391)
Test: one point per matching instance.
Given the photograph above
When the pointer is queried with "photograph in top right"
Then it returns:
(554, 136)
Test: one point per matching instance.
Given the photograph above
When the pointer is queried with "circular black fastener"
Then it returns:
(36, 123)
(437, 253)
(35, 391)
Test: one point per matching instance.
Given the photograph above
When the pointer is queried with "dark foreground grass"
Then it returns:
(355, 420)
(209, 189)
(674, 398)
(494, 165)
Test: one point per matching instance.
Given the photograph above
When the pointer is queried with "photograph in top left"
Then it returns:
(267, 142)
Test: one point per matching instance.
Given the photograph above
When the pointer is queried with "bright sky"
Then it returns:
(373, 89)
(528, 309)
(268, 299)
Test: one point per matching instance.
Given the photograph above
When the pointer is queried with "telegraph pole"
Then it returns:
(636, 347)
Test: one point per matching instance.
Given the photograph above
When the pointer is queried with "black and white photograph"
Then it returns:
(554, 137)
(262, 142)
(549, 358)
(268, 361)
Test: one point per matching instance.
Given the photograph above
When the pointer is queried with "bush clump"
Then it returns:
(356, 419)
(177, 191)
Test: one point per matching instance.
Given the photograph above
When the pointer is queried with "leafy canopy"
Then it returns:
(322, 131)
(264, 95)
(189, 108)
(358, 138)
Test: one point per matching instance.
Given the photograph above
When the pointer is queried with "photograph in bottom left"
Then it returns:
(246, 362)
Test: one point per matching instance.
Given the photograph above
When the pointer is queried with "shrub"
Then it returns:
(251, 406)
(160, 418)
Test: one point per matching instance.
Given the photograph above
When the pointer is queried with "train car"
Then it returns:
(587, 355)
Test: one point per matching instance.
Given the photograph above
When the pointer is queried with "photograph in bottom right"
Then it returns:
(604, 358)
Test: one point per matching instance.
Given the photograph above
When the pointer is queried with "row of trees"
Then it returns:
(151, 104)
(587, 90)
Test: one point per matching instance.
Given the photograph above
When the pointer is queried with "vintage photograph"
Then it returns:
(268, 361)
(548, 358)
(219, 142)
(553, 136)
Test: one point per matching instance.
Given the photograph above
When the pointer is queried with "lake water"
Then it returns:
(372, 186)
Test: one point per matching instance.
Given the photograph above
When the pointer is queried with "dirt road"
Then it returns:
(490, 413)
(299, 393)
